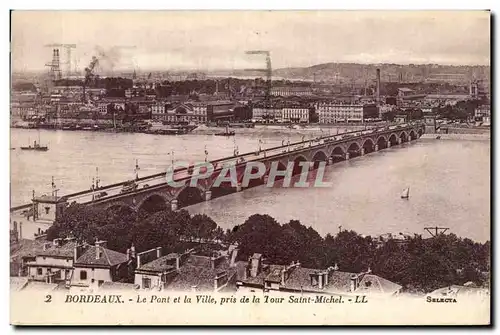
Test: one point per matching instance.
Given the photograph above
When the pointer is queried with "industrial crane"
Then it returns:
(68, 48)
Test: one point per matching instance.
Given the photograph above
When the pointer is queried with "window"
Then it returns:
(47, 210)
(83, 275)
(39, 271)
(100, 282)
(146, 283)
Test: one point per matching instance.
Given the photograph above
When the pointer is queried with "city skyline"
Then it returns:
(202, 40)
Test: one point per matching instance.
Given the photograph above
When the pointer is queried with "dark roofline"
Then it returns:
(90, 266)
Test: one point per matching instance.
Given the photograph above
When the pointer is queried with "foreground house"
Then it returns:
(257, 276)
(95, 265)
(54, 263)
(188, 271)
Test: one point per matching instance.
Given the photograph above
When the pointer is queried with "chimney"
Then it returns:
(193, 288)
(103, 244)
(128, 254)
(57, 242)
(158, 252)
(283, 279)
(353, 282)
(320, 281)
(378, 86)
(132, 251)
(20, 230)
(233, 256)
(255, 261)
(98, 251)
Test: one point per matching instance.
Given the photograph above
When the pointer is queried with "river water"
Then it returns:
(449, 179)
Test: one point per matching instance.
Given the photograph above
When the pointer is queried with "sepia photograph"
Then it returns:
(250, 167)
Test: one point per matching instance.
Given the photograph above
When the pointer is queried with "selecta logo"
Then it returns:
(301, 175)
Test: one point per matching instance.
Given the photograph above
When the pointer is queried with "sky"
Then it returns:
(209, 40)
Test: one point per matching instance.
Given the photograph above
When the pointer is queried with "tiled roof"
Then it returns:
(26, 248)
(375, 284)
(339, 281)
(200, 276)
(66, 250)
(158, 265)
(109, 257)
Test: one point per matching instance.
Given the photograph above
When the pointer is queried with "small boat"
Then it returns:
(406, 193)
(438, 137)
(36, 147)
(226, 133)
(87, 128)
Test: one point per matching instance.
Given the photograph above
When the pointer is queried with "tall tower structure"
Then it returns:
(378, 86)
(55, 66)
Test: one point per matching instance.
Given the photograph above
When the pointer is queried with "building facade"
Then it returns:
(54, 263)
(295, 115)
(483, 113)
(95, 265)
(333, 112)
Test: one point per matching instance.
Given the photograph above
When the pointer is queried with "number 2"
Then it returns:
(48, 298)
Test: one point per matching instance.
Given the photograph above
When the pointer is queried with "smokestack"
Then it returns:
(378, 86)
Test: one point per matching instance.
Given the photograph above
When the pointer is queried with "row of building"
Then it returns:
(64, 264)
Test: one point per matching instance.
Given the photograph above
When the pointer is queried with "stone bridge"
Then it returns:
(330, 149)
(153, 193)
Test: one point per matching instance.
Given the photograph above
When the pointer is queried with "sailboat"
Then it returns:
(36, 146)
(406, 193)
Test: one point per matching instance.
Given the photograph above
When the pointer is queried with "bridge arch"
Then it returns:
(338, 154)
(153, 203)
(296, 164)
(368, 146)
(413, 135)
(403, 136)
(381, 142)
(393, 139)
(354, 149)
(189, 196)
(319, 156)
(420, 132)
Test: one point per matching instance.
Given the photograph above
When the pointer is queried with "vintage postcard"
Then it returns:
(250, 168)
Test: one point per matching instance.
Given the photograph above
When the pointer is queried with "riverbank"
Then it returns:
(470, 137)
(310, 130)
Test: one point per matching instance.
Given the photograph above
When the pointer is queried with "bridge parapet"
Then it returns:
(330, 149)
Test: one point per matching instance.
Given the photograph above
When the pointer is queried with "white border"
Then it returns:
(179, 5)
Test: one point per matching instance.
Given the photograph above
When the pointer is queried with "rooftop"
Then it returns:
(109, 257)
(66, 250)
(299, 279)
(159, 264)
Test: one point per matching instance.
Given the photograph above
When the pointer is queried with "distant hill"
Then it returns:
(389, 72)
